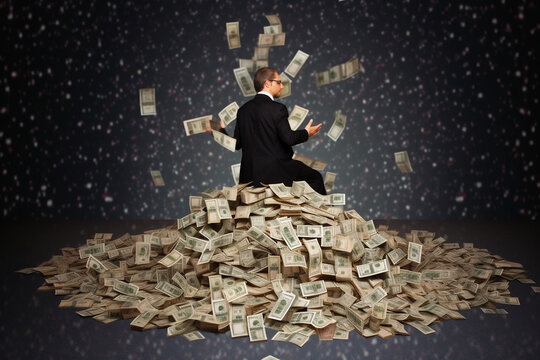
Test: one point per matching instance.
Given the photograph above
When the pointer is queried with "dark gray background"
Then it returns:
(453, 83)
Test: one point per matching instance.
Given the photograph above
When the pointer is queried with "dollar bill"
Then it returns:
(268, 40)
(315, 258)
(195, 203)
(273, 19)
(342, 266)
(288, 234)
(226, 141)
(142, 253)
(329, 180)
(244, 81)
(143, 319)
(282, 306)
(235, 170)
(375, 240)
(228, 114)
(274, 267)
(193, 336)
(261, 53)
(296, 63)
(220, 308)
(313, 288)
(303, 317)
(235, 292)
(169, 289)
(172, 258)
(396, 255)
(372, 268)
(494, 311)
(314, 164)
(414, 252)
(125, 288)
(256, 329)
(372, 298)
(273, 29)
(238, 324)
(424, 329)
(224, 211)
(197, 125)
(338, 126)
(356, 319)
(327, 239)
(280, 190)
(212, 211)
(290, 259)
(339, 72)
(402, 161)
(335, 199)
(157, 178)
(309, 231)
(286, 82)
(233, 34)
(95, 264)
(95, 250)
(297, 116)
(147, 101)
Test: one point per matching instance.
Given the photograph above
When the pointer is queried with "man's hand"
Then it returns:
(312, 130)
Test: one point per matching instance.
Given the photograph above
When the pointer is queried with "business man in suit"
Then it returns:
(263, 133)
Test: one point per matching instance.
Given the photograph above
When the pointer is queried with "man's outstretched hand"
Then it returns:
(312, 130)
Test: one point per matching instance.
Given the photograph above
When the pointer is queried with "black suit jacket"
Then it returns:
(263, 133)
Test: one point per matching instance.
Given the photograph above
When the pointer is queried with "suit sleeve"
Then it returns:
(286, 134)
(237, 133)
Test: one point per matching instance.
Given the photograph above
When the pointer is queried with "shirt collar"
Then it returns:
(267, 94)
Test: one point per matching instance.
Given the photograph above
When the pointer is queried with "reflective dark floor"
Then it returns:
(33, 327)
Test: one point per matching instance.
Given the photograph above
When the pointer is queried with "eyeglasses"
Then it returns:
(278, 81)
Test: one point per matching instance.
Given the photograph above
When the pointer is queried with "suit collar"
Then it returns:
(266, 95)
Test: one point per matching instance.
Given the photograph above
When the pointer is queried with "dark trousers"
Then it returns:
(312, 177)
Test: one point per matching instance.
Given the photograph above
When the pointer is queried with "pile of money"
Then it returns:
(249, 259)
(402, 161)
(339, 72)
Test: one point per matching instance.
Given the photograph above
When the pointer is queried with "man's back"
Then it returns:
(266, 139)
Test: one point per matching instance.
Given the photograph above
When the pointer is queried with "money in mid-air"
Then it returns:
(235, 169)
(286, 82)
(233, 34)
(197, 125)
(338, 126)
(157, 178)
(228, 114)
(296, 64)
(402, 161)
(297, 116)
(339, 72)
(244, 81)
(147, 100)
(226, 141)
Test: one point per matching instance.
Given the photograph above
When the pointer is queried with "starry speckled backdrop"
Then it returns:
(453, 84)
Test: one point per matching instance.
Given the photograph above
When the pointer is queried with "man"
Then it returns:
(263, 133)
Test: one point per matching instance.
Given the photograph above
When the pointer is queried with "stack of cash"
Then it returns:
(249, 259)
(339, 72)
(402, 161)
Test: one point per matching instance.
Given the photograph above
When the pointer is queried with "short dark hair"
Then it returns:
(262, 75)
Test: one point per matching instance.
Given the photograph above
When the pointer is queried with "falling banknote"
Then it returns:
(147, 101)
(244, 81)
(233, 35)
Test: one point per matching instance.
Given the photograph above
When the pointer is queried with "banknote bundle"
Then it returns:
(287, 259)
(339, 72)
(402, 161)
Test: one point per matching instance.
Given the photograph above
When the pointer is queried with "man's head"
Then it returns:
(267, 79)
